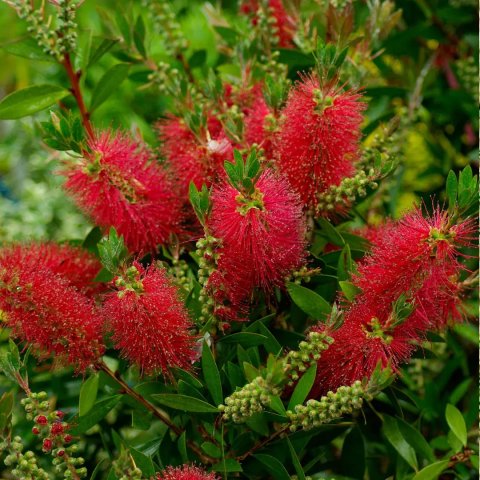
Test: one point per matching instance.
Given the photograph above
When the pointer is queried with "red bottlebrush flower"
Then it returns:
(195, 158)
(284, 24)
(262, 238)
(43, 310)
(118, 186)
(74, 265)
(260, 124)
(185, 472)
(359, 345)
(149, 322)
(318, 140)
(407, 253)
(416, 258)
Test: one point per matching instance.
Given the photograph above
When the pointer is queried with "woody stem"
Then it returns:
(126, 389)
(74, 78)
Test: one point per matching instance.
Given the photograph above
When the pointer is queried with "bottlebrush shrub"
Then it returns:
(277, 335)
(119, 185)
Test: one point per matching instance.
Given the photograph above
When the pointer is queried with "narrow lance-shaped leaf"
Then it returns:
(30, 100)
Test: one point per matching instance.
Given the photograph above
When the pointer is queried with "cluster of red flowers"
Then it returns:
(119, 185)
(185, 472)
(149, 322)
(262, 238)
(42, 301)
(413, 264)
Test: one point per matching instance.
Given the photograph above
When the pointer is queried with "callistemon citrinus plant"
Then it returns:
(278, 280)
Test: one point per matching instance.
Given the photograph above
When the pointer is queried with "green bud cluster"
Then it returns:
(24, 465)
(207, 263)
(179, 272)
(53, 432)
(349, 189)
(309, 351)
(331, 406)
(303, 274)
(248, 400)
(166, 25)
(338, 4)
(130, 281)
(467, 70)
(54, 41)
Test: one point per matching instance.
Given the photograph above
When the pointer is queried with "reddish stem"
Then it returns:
(77, 93)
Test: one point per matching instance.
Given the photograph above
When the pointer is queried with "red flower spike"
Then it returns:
(185, 472)
(284, 23)
(318, 140)
(43, 310)
(76, 266)
(260, 124)
(119, 186)
(262, 239)
(416, 258)
(149, 323)
(409, 253)
(193, 158)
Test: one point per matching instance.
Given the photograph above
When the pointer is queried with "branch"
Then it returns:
(77, 93)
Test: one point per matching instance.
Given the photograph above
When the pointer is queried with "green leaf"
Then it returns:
(246, 339)
(331, 233)
(30, 100)
(452, 189)
(228, 465)
(88, 394)
(111, 250)
(185, 403)
(303, 387)
(143, 462)
(211, 374)
(274, 466)
(395, 437)
(349, 290)
(309, 301)
(296, 462)
(345, 263)
(139, 36)
(105, 46)
(198, 59)
(431, 472)
(456, 422)
(276, 405)
(352, 461)
(27, 48)
(96, 414)
(109, 84)
(416, 440)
